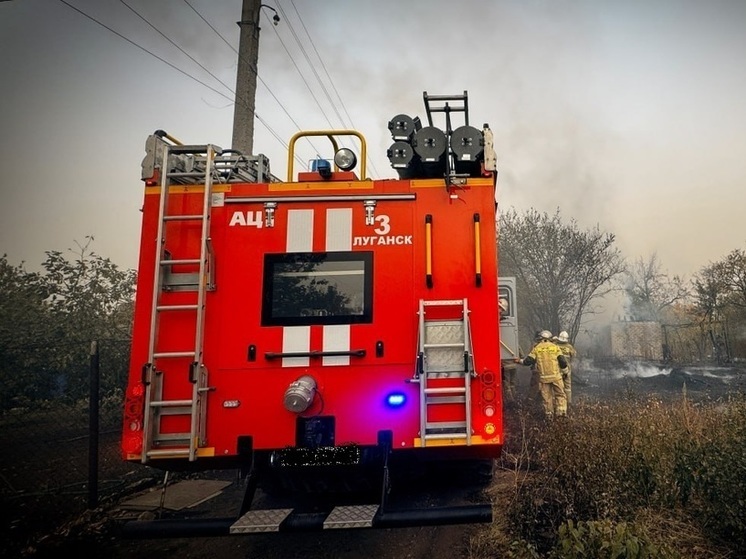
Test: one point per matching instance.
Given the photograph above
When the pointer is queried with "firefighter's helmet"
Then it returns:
(545, 335)
(563, 337)
(503, 304)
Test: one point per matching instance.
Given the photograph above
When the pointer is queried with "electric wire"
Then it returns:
(173, 66)
(259, 78)
(133, 43)
(300, 73)
(258, 117)
(229, 88)
(331, 81)
(308, 87)
(154, 28)
(321, 60)
(310, 64)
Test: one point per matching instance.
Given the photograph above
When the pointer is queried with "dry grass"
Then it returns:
(636, 477)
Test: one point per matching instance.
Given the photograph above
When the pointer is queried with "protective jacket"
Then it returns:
(568, 351)
(549, 360)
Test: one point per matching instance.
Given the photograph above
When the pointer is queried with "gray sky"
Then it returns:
(629, 114)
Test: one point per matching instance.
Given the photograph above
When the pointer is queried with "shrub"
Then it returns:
(603, 539)
(593, 473)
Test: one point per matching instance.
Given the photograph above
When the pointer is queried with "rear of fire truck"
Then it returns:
(328, 329)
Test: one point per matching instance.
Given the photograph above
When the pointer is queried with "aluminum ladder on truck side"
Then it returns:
(444, 354)
(157, 443)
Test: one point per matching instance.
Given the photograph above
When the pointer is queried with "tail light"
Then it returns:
(488, 401)
(134, 406)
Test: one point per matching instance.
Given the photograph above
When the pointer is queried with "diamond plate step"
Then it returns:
(256, 521)
(357, 516)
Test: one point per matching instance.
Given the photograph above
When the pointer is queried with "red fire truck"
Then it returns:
(324, 327)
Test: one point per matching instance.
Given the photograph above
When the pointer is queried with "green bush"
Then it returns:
(593, 473)
(603, 539)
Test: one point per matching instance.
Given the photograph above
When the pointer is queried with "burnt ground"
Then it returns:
(98, 534)
(696, 382)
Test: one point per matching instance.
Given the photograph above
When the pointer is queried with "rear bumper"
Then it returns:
(285, 520)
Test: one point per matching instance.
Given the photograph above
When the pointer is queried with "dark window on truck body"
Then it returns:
(304, 288)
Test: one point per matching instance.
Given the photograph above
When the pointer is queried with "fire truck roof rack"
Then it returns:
(459, 152)
(187, 163)
(447, 108)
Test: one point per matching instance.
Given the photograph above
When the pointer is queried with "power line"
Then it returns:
(173, 66)
(232, 99)
(310, 65)
(154, 28)
(143, 48)
(258, 77)
(321, 60)
(318, 78)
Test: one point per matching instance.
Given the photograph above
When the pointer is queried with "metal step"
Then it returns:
(443, 303)
(173, 354)
(355, 516)
(171, 403)
(191, 149)
(444, 436)
(276, 520)
(175, 262)
(441, 430)
(260, 521)
(453, 425)
(161, 308)
(185, 217)
(447, 390)
(435, 400)
(168, 453)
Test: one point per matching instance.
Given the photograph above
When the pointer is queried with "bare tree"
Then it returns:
(650, 291)
(720, 294)
(733, 275)
(721, 285)
(560, 270)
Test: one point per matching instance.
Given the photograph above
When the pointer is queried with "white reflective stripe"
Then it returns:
(296, 339)
(337, 338)
(338, 229)
(338, 238)
(300, 231)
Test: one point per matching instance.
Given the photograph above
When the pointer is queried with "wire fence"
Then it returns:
(61, 454)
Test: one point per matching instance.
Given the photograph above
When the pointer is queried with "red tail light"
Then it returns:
(134, 405)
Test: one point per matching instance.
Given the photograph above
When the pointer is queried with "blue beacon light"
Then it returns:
(395, 400)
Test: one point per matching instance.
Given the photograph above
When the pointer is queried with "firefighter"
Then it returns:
(503, 304)
(533, 387)
(550, 362)
(563, 341)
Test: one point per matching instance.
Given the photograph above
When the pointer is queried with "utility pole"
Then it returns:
(248, 58)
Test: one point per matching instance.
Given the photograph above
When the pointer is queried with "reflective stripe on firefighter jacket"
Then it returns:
(546, 354)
